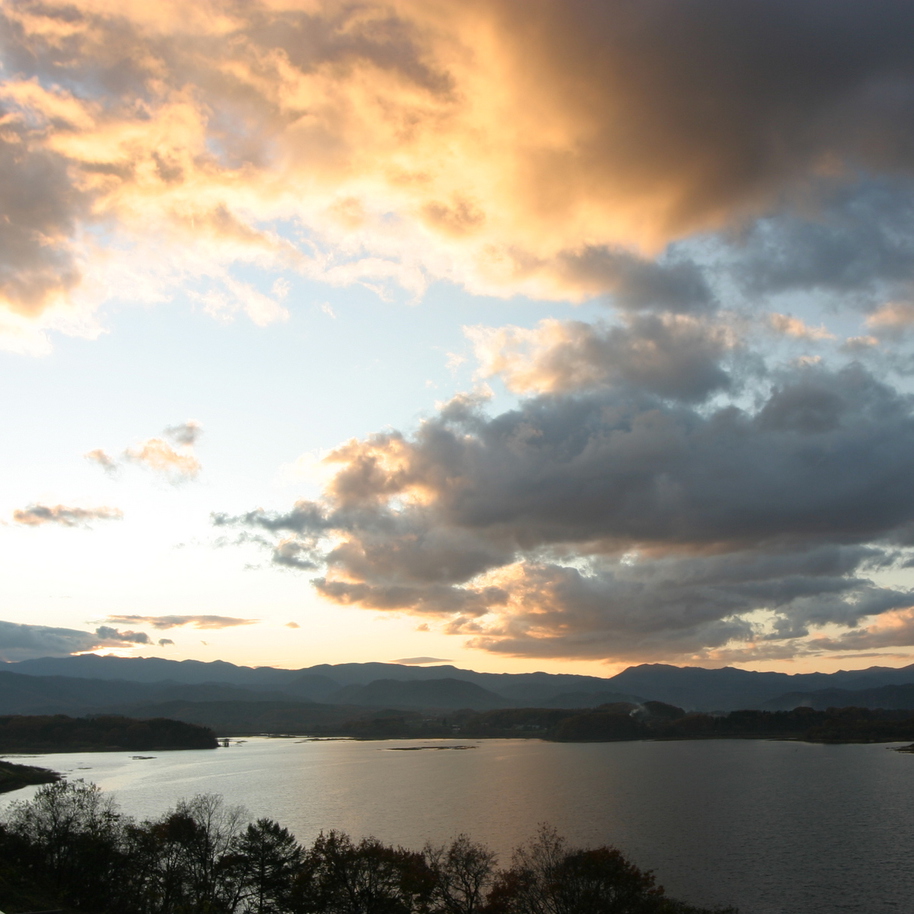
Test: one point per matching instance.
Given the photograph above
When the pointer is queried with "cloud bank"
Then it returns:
(614, 522)
(26, 642)
(711, 472)
(551, 149)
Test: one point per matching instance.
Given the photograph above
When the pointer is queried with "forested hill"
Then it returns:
(155, 679)
(57, 733)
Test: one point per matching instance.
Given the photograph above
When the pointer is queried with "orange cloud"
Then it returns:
(793, 326)
(158, 455)
(173, 458)
(513, 147)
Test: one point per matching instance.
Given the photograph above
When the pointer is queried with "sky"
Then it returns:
(516, 334)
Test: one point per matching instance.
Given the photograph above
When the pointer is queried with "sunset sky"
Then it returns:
(520, 334)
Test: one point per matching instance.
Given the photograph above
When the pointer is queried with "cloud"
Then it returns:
(42, 210)
(25, 642)
(173, 458)
(612, 522)
(63, 515)
(670, 355)
(292, 625)
(158, 455)
(185, 434)
(164, 642)
(550, 149)
(163, 622)
(112, 634)
(419, 661)
(105, 461)
(796, 328)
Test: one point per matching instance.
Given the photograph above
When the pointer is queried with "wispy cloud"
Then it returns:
(159, 456)
(38, 515)
(419, 661)
(164, 622)
(102, 459)
(171, 456)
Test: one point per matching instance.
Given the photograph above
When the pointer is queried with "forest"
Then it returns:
(59, 733)
(71, 848)
(650, 720)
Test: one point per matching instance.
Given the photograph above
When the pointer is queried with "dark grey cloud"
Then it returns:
(667, 355)
(634, 283)
(856, 245)
(20, 641)
(616, 523)
(112, 634)
(720, 104)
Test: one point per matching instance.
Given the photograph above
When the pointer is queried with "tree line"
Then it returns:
(59, 733)
(70, 846)
(651, 720)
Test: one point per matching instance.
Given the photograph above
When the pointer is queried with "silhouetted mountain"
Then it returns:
(729, 689)
(153, 669)
(890, 697)
(315, 688)
(65, 695)
(61, 695)
(693, 688)
(234, 717)
(432, 694)
(588, 700)
(317, 683)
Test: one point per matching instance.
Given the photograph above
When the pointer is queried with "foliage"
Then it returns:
(71, 846)
(59, 733)
(15, 777)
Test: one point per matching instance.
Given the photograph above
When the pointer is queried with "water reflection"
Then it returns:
(775, 827)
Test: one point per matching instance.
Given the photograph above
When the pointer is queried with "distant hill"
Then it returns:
(406, 687)
(153, 669)
(70, 695)
(729, 689)
(891, 697)
(588, 700)
(432, 694)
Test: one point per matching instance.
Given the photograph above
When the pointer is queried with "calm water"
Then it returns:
(773, 827)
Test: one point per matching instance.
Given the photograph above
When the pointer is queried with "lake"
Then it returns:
(773, 827)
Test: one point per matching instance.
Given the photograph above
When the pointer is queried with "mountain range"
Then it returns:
(204, 692)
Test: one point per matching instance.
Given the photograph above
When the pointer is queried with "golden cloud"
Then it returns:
(497, 143)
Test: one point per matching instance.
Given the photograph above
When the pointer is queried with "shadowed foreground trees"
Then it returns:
(70, 846)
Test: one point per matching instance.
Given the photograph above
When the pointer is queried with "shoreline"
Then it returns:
(15, 777)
